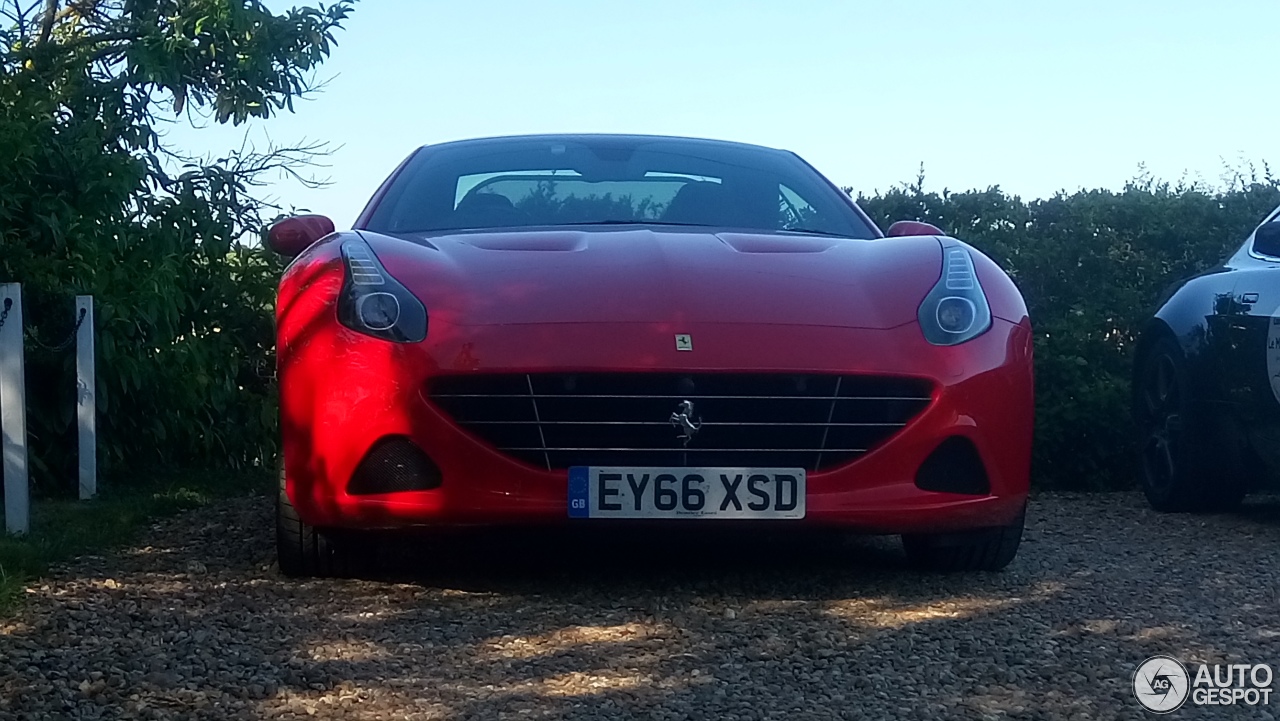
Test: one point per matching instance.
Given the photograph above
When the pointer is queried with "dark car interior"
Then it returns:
(702, 203)
(479, 209)
(697, 202)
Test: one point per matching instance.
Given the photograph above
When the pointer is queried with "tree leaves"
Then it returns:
(88, 205)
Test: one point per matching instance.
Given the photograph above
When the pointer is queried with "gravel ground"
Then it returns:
(196, 623)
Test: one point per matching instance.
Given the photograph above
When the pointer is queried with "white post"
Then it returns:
(13, 412)
(86, 402)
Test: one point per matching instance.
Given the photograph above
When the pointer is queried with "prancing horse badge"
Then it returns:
(684, 341)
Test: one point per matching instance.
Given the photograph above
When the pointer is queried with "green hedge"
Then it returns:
(1091, 266)
(184, 335)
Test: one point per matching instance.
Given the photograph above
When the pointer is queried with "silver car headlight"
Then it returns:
(376, 304)
(956, 310)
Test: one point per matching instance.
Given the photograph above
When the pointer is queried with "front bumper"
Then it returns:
(341, 392)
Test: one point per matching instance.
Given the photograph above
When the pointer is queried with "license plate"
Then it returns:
(621, 492)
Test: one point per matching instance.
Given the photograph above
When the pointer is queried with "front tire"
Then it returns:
(304, 551)
(983, 549)
(1188, 462)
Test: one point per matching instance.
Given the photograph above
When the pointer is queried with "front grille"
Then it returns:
(557, 420)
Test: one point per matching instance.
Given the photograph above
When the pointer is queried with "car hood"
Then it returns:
(639, 275)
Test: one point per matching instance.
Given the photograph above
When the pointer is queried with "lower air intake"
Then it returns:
(394, 465)
(954, 467)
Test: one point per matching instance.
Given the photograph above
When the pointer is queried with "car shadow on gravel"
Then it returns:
(771, 563)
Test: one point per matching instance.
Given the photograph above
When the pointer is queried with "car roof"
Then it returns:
(598, 137)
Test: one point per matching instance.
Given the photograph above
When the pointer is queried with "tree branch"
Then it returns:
(20, 16)
(116, 37)
(46, 25)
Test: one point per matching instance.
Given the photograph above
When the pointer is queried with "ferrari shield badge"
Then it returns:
(684, 341)
(1273, 354)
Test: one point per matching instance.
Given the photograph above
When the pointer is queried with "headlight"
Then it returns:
(956, 310)
(374, 303)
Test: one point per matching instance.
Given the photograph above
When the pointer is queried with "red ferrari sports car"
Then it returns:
(604, 330)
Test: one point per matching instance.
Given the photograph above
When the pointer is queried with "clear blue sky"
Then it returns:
(1032, 95)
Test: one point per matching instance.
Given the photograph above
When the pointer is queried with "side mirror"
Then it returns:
(912, 227)
(1266, 241)
(291, 236)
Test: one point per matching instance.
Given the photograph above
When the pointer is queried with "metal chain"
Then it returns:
(71, 338)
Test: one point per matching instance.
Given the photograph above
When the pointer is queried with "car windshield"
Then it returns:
(540, 182)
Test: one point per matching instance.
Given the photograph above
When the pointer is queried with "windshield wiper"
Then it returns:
(798, 231)
(812, 231)
(634, 222)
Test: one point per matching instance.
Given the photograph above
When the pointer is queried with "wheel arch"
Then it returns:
(1154, 330)
(1187, 314)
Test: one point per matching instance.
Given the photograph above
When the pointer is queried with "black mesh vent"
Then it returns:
(954, 467)
(394, 464)
(557, 420)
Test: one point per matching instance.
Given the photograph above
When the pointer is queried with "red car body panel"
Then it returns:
(529, 301)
